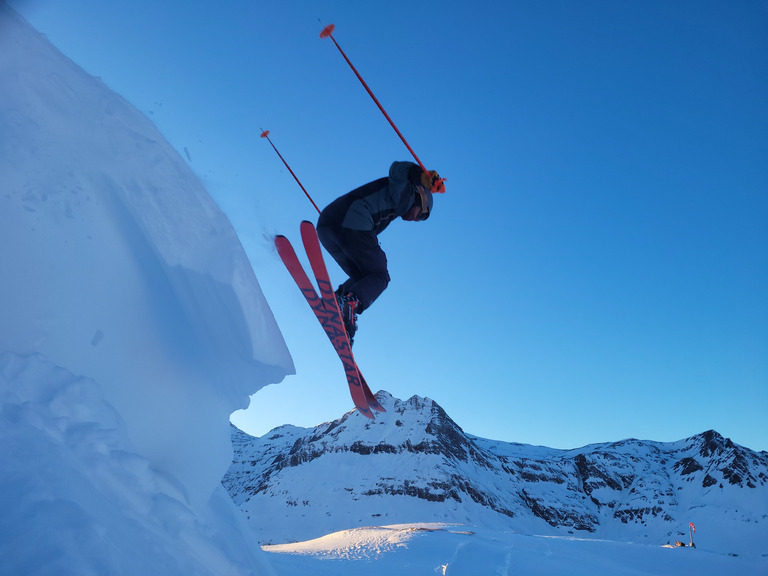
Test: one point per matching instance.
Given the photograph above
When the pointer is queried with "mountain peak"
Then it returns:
(712, 443)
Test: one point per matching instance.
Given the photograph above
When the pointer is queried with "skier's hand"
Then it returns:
(431, 181)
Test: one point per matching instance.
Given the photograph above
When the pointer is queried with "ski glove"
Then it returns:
(431, 181)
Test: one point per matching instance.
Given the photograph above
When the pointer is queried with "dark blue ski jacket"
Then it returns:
(373, 206)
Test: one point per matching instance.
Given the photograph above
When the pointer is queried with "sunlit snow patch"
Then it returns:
(361, 543)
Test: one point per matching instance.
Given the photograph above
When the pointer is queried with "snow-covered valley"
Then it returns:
(454, 550)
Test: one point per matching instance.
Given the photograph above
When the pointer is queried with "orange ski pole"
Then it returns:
(327, 32)
(265, 134)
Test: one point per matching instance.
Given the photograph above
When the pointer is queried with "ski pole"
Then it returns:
(327, 32)
(265, 134)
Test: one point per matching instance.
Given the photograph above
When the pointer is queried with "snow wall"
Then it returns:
(132, 325)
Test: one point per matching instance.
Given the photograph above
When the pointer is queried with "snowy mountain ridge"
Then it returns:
(415, 464)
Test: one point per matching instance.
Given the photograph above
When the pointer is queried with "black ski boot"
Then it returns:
(348, 304)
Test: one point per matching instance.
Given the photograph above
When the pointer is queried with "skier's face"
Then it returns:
(421, 205)
(413, 214)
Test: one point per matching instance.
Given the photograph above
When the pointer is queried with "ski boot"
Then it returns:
(348, 304)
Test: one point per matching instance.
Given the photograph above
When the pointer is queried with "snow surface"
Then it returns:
(454, 550)
(120, 267)
(78, 499)
(132, 327)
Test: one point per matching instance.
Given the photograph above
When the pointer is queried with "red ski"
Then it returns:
(327, 311)
(341, 341)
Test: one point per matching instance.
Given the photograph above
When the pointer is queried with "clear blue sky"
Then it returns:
(598, 268)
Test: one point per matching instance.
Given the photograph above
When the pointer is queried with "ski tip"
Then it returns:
(364, 410)
(265, 134)
(327, 31)
(306, 225)
(282, 243)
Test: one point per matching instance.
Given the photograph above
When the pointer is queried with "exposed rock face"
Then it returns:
(415, 457)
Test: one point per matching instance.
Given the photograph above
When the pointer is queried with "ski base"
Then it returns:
(327, 312)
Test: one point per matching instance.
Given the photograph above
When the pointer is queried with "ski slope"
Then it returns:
(455, 550)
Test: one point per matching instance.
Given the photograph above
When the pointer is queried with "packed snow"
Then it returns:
(132, 327)
(453, 550)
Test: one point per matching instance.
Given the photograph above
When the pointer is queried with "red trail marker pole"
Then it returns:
(692, 529)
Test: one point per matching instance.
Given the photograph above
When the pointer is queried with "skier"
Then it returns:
(348, 228)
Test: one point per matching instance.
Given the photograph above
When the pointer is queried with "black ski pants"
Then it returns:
(361, 258)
